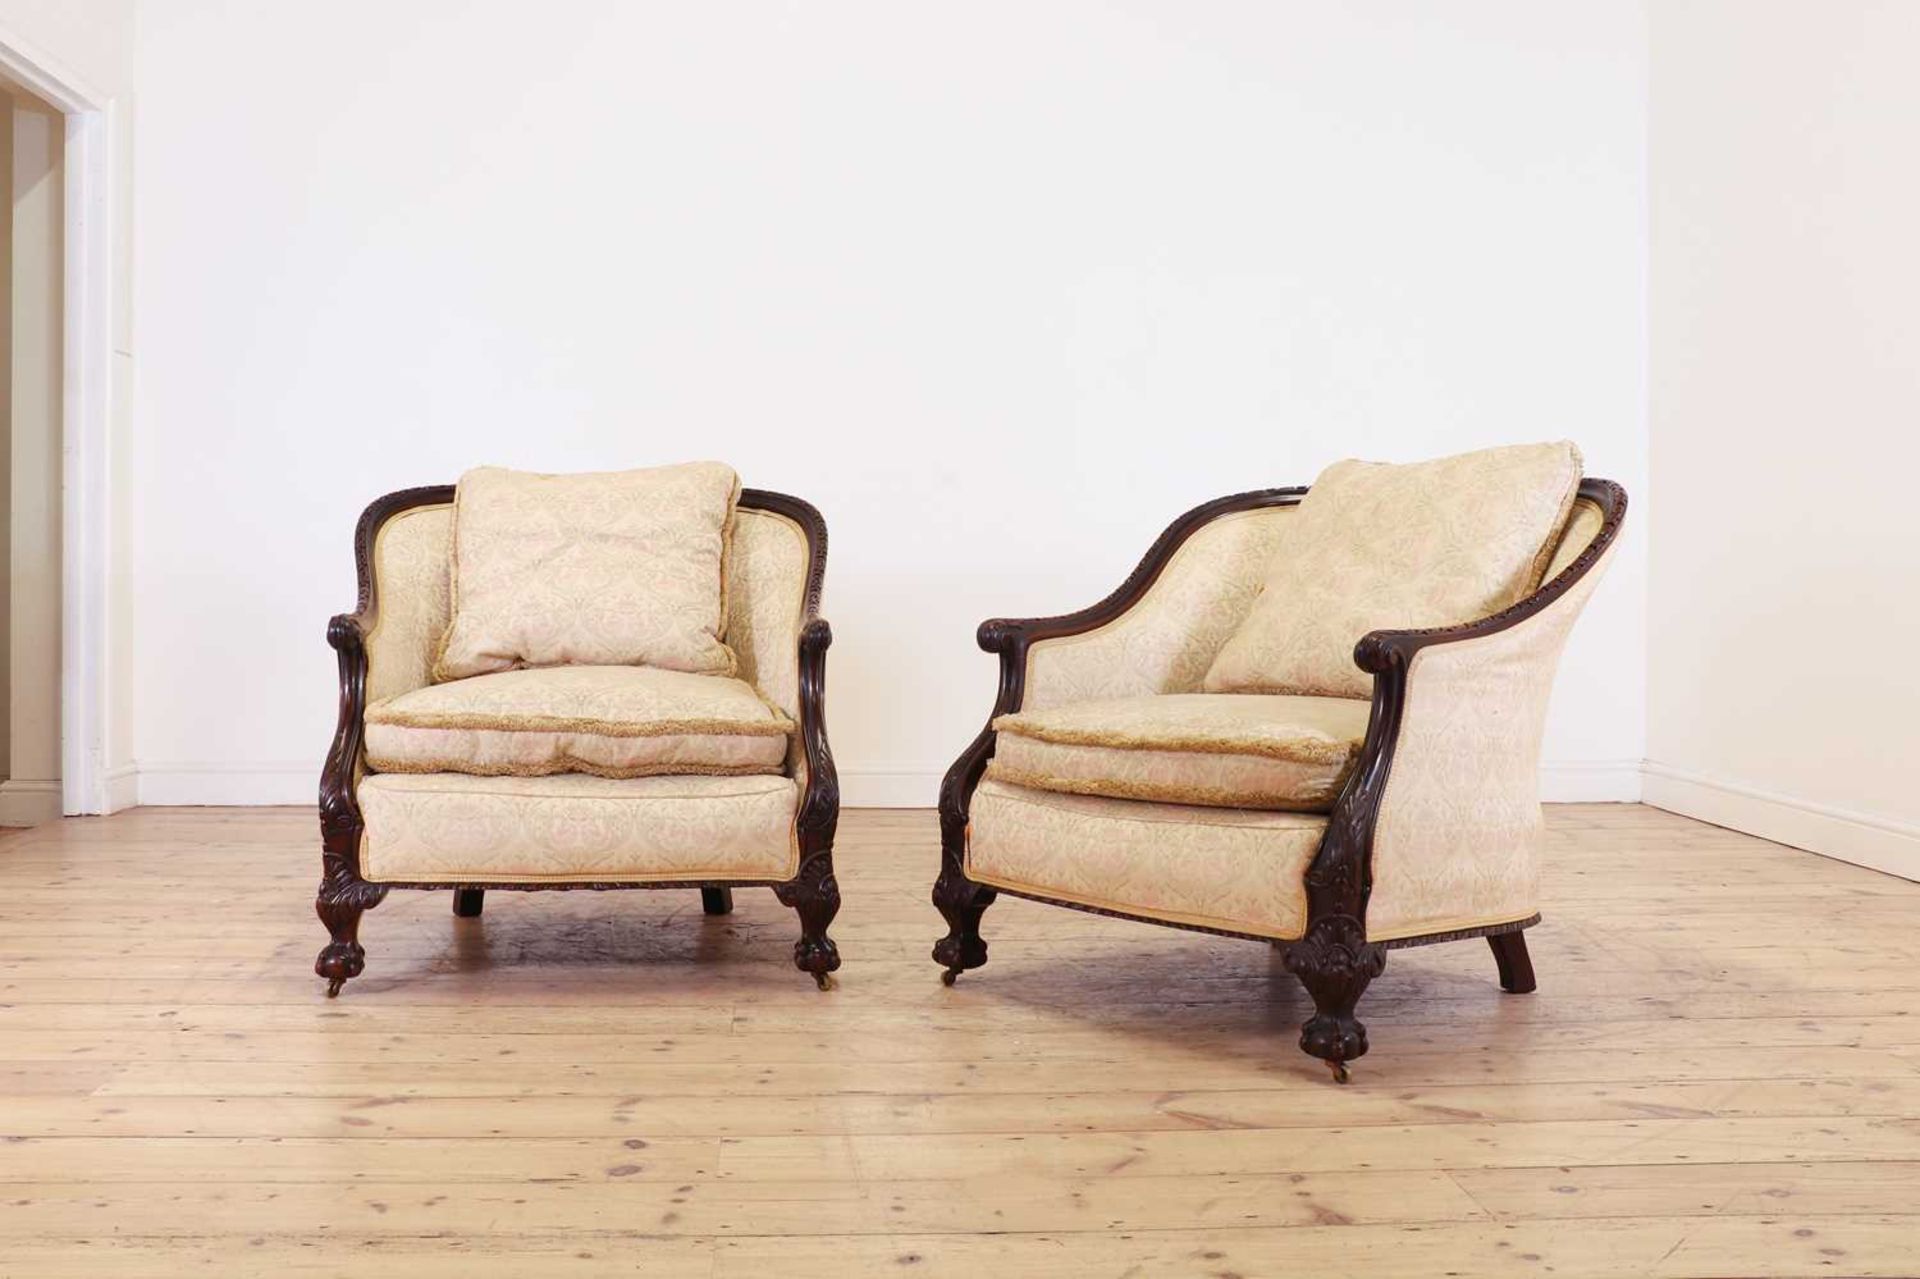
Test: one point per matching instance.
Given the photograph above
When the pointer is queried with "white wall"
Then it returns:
(91, 39)
(1784, 614)
(1002, 288)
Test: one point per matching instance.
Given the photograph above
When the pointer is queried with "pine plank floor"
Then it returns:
(1720, 1075)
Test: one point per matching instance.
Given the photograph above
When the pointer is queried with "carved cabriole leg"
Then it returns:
(342, 899)
(716, 901)
(1516, 966)
(1334, 961)
(468, 902)
(815, 894)
(961, 902)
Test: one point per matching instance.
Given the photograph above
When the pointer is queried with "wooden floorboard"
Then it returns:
(1720, 1075)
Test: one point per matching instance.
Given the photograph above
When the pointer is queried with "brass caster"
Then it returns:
(950, 976)
(1340, 1073)
(333, 988)
(823, 980)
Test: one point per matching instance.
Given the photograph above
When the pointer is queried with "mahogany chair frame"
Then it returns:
(1334, 959)
(344, 896)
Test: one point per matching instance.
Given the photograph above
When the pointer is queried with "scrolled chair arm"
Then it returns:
(346, 635)
(820, 805)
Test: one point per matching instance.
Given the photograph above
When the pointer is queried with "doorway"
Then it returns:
(32, 263)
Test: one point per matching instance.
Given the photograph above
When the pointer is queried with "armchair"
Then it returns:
(1347, 829)
(710, 825)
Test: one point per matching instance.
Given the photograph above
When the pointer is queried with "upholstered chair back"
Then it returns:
(767, 571)
(1166, 642)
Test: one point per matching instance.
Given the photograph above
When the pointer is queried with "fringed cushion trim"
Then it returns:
(571, 764)
(778, 726)
(1163, 792)
(1292, 750)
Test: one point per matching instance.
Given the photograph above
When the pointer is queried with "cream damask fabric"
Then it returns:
(1582, 527)
(412, 556)
(445, 828)
(1233, 869)
(608, 569)
(1217, 749)
(1377, 546)
(1165, 641)
(611, 721)
(1457, 843)
(766, 597)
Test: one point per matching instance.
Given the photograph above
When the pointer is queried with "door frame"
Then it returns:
(93, 133)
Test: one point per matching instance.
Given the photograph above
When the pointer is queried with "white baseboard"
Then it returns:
(861, 786)
(874, 787)
(218, 784)
(1860, 838)
(122, 788)
(28, 803)
(1590, 781)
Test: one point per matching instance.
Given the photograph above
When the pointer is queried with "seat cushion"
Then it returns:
(448, 828)
(611, 721)
(1219, 749)
(616, 568)
(1377, 547)
(1234, 870)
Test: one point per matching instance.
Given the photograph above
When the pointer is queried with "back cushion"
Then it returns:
(1377, 547)
(619, 568)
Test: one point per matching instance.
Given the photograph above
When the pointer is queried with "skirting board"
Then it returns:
(1860, 838)
(218, 784)
(28, 803)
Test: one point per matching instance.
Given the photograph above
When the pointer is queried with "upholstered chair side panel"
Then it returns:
(1458, 838)
(1166, 641)
(412, 599)
(766, 601)
(1235, 870)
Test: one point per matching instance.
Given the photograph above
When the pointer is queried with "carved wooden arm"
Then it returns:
(820, 803)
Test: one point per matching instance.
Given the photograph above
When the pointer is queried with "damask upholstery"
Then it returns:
(412, 563)
(446, 828)
(1164, 643)
(1215, 749)
(1231, 869)
(1115, 787)
(611, 721)
(1379, 547)
(413, 569)
(1458, 837)
(606, 569)
(1582, 527)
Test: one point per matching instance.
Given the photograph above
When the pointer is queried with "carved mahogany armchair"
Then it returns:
(1418, 822)
(768, 824)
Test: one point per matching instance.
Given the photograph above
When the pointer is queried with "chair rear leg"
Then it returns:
(468, 901)
(717, 901)
(1516, 966)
